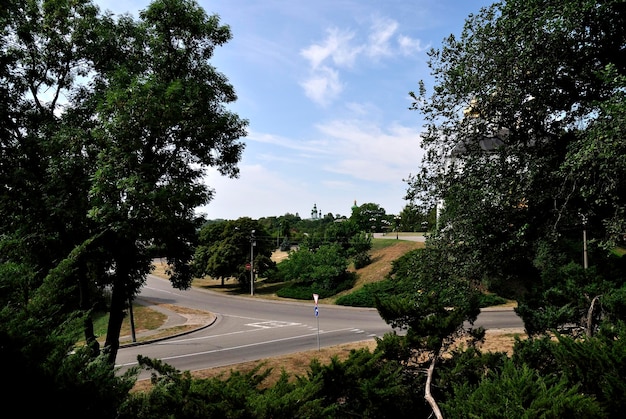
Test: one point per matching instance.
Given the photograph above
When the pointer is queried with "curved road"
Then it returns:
(251, 328)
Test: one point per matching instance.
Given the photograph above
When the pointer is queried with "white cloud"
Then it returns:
(283, 142)
(341, 50)
(366, 151)
(409, 46)
(382, 31)
(254, 194)
(336, 47)
(323, 86)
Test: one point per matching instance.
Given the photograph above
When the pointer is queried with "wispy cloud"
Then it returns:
(382, 31)
(410, 46)
(323, 86)
(364, 150)
(336, 47)
(290, 143)
(341, 50)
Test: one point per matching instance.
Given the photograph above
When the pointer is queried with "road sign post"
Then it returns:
(317, 316)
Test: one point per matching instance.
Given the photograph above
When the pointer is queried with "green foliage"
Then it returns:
(595, 365)
(519, 392)
(466, 366)
(369, 217)
(305, 291)
(179, 395)
(395, 284)
(225, 248)
(432, 302)
(368, 386)
(241, 395)
(38, 335)
(113, 122)
(367, 294)
(414, 217)
(344, 233)
(536, 156)
(561, 298)
(490, 300)
(285, 245)
(360, 246)
(323, 269)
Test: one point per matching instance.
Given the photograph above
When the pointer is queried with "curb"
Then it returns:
(186, 332)
(210, 322)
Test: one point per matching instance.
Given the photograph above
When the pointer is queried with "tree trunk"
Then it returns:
(85, 306)
(590, 315)
(427, 395)
(116, 312)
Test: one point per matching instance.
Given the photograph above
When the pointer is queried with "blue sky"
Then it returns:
(324, 86)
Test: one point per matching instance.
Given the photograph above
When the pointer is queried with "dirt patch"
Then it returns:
(279, 255)
(381, 259)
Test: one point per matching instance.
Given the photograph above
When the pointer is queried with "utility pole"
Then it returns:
(585, 261)
(397, 218)
(252, 244)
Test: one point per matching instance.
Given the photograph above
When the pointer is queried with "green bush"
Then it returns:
(489, 300)
(366, 296)
(520, 392)
(305, 291)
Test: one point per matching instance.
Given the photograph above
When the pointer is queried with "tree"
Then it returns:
(414, 218)
(163, 122)
(520, 105)
(359, 251)
(342, 233)
(521, 392)
(322, 270)
(107, 129)
(432, 304)
(45, 160)
(224, 250)
(38, 332)
(368, 217)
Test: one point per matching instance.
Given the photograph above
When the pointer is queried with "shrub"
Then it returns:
(305, 291)
(488, 300)
(366, 296)
(520, 392)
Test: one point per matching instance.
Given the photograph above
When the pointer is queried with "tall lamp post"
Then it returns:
(585, 261)
(397, 217)
(252, 244)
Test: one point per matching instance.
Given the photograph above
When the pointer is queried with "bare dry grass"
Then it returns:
(297, 364)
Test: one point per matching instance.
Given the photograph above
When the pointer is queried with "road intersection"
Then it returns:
(239, 329)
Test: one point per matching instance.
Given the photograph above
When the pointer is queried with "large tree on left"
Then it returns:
(108, 125)
(163, 121)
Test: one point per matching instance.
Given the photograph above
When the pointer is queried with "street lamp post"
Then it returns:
(585, 261)
(397, 217)
(252, 244)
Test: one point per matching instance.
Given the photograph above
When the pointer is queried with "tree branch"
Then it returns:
(427, 395)
(590, 312)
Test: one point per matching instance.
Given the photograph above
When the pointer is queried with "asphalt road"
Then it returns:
(251, 328)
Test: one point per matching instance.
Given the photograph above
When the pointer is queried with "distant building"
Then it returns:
(315, 214)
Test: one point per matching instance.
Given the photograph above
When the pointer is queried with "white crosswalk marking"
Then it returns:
(272, 324)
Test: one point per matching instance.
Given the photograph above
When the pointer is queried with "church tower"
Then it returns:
(314, 214)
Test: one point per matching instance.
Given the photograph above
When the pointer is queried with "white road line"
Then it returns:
(236, 347)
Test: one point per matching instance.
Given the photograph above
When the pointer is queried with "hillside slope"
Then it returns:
(384, 253)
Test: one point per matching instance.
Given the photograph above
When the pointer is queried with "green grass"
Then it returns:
(379, 244)
(145, 319)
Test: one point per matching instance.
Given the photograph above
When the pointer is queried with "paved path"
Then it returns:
(416, 237)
